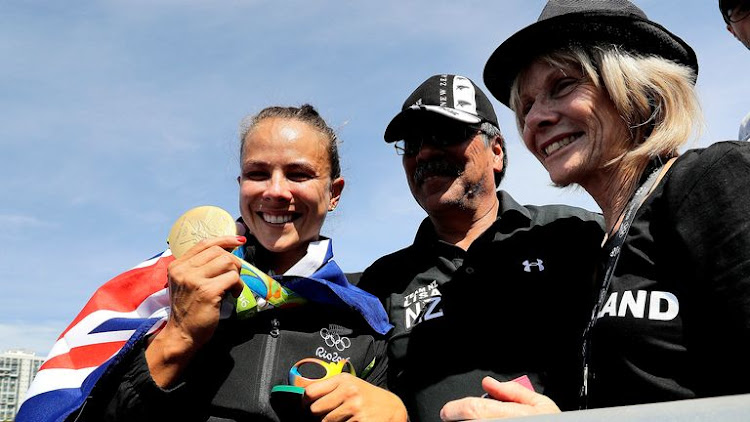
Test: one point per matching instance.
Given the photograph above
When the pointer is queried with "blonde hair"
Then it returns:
(654, 96)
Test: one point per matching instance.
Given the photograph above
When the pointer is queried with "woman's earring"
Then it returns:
(242, 229)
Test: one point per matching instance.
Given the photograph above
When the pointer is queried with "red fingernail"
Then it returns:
(242, 239)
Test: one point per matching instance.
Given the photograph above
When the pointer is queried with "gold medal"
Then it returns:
(197, 224)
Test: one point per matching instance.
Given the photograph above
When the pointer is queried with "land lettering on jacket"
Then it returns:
(653, 305)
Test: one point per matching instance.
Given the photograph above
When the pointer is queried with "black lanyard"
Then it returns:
(612, 249)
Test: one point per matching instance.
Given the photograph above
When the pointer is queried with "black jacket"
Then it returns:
(231, 378)
(675, 322)
(513, 304)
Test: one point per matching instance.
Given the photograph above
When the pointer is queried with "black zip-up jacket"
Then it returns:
(232, 376)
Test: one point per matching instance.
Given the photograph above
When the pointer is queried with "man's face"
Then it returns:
(738, 23)
(449, 165)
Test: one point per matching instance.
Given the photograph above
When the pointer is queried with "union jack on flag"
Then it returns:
(123, 310)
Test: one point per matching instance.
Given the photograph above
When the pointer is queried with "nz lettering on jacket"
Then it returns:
(422, 304)
(653, 305)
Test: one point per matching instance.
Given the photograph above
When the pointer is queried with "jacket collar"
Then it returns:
(510, 214)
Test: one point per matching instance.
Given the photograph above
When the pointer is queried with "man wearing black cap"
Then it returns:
(736, 14)
(479, 293)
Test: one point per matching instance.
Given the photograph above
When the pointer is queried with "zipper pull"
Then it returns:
(585, 388)
(275, 328)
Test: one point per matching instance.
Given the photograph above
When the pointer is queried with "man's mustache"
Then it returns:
(426, 169)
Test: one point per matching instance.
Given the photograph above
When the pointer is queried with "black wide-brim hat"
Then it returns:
(569, 23)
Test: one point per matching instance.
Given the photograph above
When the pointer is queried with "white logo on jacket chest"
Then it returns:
(334, 339)
(424, 311)
(422, 304)
(528, 265)
(662, 306)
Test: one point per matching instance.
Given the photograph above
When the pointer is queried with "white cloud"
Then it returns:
(17, 225)
(36, 336)
(22, 221)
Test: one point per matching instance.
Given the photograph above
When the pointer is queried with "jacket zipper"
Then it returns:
(268, 366)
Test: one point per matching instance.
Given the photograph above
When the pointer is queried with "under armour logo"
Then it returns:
(538, 264)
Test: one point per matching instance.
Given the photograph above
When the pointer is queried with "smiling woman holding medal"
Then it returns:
(228, 355)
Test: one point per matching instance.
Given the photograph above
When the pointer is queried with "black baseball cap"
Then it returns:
(452, 96)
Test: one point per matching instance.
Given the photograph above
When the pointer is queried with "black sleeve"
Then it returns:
(364, 281)
(372, 281)
(369, 282)
(353, 278)
(128, 393)
(377, 373)
(712, 223)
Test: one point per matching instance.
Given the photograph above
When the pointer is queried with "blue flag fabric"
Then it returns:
(318, 278)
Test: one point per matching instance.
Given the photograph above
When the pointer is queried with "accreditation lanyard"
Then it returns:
(612, 249)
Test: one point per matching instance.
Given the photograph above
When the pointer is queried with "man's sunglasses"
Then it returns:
(443, 136)
(736, 11)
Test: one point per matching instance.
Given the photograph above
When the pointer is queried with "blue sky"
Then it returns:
(119, 115)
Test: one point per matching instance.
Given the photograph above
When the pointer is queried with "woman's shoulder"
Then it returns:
(723, 167)
(715, 152)
(712, 161)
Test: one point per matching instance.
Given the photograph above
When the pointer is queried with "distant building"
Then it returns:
(17, 369)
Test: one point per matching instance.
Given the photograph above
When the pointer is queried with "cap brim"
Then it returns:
(395, 129)
(630, 33)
